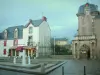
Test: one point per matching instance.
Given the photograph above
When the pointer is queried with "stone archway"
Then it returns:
(84, 52)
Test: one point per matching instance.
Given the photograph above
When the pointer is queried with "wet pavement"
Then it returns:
(71, 67)
(76, 67)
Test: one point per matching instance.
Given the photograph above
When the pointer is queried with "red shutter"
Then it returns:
(4, 52)
(5, 43)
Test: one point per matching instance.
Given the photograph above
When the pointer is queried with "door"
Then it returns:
(84, 52)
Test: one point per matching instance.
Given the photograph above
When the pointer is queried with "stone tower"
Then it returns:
(84, 44)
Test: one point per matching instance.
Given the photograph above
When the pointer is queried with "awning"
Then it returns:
(29, 47)
(34, 49)
(19, 48)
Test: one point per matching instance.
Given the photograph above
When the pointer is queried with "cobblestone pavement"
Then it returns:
(76, 67)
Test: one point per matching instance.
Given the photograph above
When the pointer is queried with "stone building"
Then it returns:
(86, 42)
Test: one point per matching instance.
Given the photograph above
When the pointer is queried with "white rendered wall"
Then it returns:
(2, 47)
(44, 38)
(35, 34)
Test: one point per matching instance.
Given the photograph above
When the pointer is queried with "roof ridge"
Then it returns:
(15, 26)
(37, 19)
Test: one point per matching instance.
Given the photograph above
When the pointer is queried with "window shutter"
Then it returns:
(4, 52)
(5, 43)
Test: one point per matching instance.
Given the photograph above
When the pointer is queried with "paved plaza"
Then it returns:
(76, 67)
(71, 67)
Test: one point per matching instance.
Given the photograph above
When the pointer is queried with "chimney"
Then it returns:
(30, 20)
(44, 18)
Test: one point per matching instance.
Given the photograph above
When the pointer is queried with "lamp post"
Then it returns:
(37, 47)
(54, 45)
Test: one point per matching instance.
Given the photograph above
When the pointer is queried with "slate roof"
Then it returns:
(35, 23)
(10, 32)
(1, 36)
(92, 8)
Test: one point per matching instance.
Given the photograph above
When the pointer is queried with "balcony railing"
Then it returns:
(29, 43)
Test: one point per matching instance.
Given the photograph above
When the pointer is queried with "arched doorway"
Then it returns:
(84, 52)
(76, 50)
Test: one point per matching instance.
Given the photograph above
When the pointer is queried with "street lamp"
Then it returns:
(54, 45)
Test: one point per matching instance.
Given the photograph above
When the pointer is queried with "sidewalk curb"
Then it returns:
(55, 67)
(32, 71)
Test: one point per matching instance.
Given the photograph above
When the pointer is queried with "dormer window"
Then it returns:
(5, 34)
(30, 30)
(87, 9)
(16, 33)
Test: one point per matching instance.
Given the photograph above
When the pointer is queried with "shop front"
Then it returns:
(17, 50)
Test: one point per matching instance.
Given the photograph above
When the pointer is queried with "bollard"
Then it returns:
(23, 58)
(84, 70)
(14, 61)
(62, 70)
(42, 68)
(29, 61)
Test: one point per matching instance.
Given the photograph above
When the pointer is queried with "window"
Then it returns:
(5, 43)
(17, 53)
(87, 12)
(82, 18)
(30, 30)
(30, 40)
(4, 51)
(92, 44)
(75, 46)
(16, 33)
(15, 42)
(5, 34)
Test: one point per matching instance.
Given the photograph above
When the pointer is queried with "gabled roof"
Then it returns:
(35, 23)
(10, 30)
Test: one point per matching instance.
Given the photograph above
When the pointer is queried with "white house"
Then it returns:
(34, 38)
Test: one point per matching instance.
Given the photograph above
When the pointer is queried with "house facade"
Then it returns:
(34, 38)
(87, 41)
(60, 46)
(61, 41)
